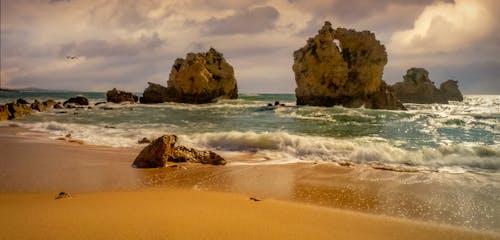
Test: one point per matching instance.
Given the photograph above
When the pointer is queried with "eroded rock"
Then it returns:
(450, 91)
(199, 78)
(418, 88)
(163, 150)
(349, 74)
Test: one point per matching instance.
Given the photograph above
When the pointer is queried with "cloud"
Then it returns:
(445, 27)
(246, 21)
(101, 48)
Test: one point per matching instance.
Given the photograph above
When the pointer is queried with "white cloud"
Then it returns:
(445, 27)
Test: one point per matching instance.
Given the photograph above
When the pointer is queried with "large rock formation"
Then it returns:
(117, 96)
(349, 74)
(418, 88)
(200, 78)
(163, 150)
(450, 91)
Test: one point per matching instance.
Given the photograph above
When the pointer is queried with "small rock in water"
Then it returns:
(255, 199)
(68, 135)
(63, 195)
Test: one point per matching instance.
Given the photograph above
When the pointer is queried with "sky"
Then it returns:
(127, 43)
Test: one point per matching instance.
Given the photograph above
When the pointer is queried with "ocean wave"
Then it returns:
(366, 150)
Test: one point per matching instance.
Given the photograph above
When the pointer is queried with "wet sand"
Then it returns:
(108, 195)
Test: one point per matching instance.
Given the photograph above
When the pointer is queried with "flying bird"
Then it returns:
(71, 57)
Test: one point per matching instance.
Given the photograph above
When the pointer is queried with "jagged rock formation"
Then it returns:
(23, 108)
(163, 150)
(200, 78)
(450, 91)
(418, 88)
(117, 96)
(76, 100)
(348, 75)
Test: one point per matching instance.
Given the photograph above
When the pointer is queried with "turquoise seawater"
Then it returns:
(456, 137)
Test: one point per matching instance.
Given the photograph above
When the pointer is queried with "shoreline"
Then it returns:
(103, 172)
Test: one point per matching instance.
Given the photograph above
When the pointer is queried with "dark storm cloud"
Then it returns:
(245, 21)
(103, 48)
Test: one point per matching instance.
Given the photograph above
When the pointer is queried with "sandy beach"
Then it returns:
(112, 200)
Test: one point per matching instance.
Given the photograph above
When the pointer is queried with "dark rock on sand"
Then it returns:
(163, 150)
(63, 195)
(76, 100)
(418, 88)
(450, 91)
(117, 96)
(349, 75)
(199, 78)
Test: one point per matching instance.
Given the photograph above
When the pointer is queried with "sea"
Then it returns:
(455, 146)
(455, 138)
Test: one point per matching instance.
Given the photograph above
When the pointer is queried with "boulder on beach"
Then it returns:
(163, 150)
(347, 74)
(117, 96)
(199, 78)
(418, 88)
(79, 100)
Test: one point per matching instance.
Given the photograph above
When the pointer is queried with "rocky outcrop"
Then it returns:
(4, 112)
(117, 96)
(349, 74)
(23, 108)
(43, 106)
(76, 100)
(418, 88)
(450, 91)
(155, 93)
(163, 150)
(200, 78)
(17, 110)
